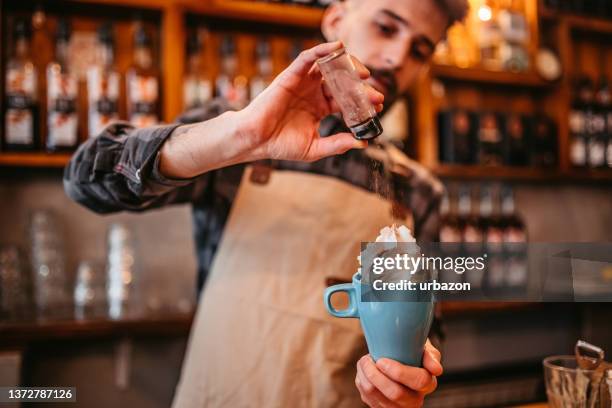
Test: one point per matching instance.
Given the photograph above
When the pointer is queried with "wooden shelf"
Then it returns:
(593, 24)
(479, 75)
(258, 11)
(20, 333)
(576, 21)
(34, 159)
(475, 172)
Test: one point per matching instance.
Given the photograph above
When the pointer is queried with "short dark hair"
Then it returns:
(456, 9)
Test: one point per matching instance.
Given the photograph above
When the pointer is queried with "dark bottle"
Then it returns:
(471, 232)
(103, 84)
(514, 241)
(142, 82)
(456, 136)
(21, 114)
(62, 92)
(490, 140)
(579, 122)
(197, 88)
(492, 236)
(516, 139)
(543, 141)
(605, 99)
(599, 141)
(450, 237)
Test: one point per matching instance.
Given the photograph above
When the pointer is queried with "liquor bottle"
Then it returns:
(578, 118)
(450, 225)
(515, 36)
(605, 101)
(492, 235)
(543, 141)
(457, 136)
(471, 231)
(450, 237)
(597, 144)
(516, 139)
(103, 84)
(489, 36)
(21, 115)
(514, 241)
(490, 139)
(229, 85)
(197, 88)
(62, 91)
(263, 60)
(142, 82)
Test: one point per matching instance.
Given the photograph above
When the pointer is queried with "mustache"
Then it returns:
(386, 77)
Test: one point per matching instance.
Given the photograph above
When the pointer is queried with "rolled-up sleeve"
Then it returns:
(119, 170)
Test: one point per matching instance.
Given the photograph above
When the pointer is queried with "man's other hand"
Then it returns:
(388, 383)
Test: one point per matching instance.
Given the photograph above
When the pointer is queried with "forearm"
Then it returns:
(197, 148)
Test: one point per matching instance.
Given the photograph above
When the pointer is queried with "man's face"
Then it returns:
(393, 38)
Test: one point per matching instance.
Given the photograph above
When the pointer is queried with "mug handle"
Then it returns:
(351, 310)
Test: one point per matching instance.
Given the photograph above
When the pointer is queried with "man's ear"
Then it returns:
(332, 17)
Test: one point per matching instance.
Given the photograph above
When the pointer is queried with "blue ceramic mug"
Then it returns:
(395, 330)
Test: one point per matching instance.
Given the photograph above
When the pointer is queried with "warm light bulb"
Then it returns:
(484, 13)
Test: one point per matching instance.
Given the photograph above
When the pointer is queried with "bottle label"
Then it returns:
(196, 92)
(143, 94)
(597, 153)
(576, 122)
(578, 152)
(103, 97)
(21, 94)
(61, 102)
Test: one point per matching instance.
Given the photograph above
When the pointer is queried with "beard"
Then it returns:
(386, 79)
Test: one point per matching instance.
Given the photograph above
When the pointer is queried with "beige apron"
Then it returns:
(261, 336)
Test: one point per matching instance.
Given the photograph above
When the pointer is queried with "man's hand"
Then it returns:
(388, 383)
(281, 123)
(284, 119)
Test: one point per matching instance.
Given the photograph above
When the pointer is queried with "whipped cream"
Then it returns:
(389, 237)
(395, 234)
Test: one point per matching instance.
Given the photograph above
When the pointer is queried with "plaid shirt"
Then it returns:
(119, 170)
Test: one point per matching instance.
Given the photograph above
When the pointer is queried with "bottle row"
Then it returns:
(105, 87)
(590, 124)
(485, 222)
(493, 138)
(495, 36)
(486, 214)
(23, 107)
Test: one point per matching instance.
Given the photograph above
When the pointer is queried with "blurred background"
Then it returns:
(514, 115)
